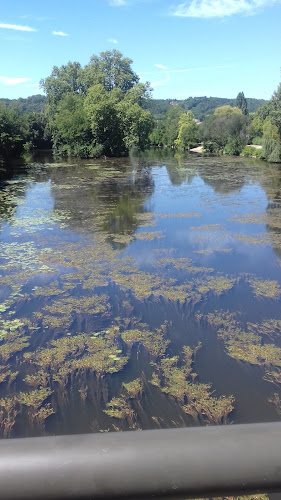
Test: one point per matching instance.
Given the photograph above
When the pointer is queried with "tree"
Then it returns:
(271, 142)
(136, 125)
(171, 125)
(111, 70)
(188, 131)
(227, 111)
(98, 108)
(101, 109)
(241, 103)
(71, 131)
(13, 132)
(224, 133)
(63, 80)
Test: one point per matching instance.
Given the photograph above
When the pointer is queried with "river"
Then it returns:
(139, 293)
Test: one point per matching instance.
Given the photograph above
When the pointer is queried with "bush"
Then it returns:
(249, 151)
(257, 140)
(234, 146)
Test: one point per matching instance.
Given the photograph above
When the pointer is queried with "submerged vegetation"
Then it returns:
(104, 299)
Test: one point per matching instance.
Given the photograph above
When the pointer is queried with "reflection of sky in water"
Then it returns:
(92, 211)
(215, 208)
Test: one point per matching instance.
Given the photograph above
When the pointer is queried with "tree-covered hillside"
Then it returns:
(200, 106)
(32, 104)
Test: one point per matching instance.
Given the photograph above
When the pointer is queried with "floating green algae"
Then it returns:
(177, 379)
(183, 264)
(208, 227)
(142, 284)
(247, 344)
(217, 284)
(75, 353)
(264, 288)
(119, 408)
(182, 215)
(244, 238)
(208, 251)
(152, 235)
(134, 388)
(154, 342)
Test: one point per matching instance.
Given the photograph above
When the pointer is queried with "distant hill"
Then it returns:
(200, 106)
(34, 103)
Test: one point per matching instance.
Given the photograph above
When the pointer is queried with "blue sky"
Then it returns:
(184, 48)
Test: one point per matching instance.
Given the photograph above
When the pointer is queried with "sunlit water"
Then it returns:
(109, 268)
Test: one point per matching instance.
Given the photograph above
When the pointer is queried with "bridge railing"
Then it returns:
(176, 463)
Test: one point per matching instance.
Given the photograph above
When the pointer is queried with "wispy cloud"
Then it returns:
(117, 3)
(219, 8)
(35, 18)
(112, 40)
(59, 33)
(160, 66)
(16, 27)
(12, 81)
(186, 70)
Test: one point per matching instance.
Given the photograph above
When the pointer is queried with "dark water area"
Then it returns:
(139, 293)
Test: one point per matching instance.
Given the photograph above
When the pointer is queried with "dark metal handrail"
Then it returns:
(178, 463)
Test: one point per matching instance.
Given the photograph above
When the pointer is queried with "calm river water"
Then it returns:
(139, 293)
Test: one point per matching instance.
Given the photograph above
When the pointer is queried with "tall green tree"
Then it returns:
(63, 80)
(241, 103)
(98, 108)
(111, 70)
(188, 131)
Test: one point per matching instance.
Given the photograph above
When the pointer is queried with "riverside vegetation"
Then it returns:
(102, 109)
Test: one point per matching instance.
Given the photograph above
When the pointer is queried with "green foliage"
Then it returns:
(249, 151)
(31, 104)
(167, 130)
(188, 131)
(111, 70)
(71, 127)
(256, 127)
(97, 109)
(200, 106)
(225, 131)
(227, 111)
(271, 142)
(13, 132)
(241, 103)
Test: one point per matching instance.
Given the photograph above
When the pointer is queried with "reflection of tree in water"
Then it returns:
(223, 176)
(271, 183)
(180, 172)
(105, 195)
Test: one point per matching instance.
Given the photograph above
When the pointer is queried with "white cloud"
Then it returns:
(112, 40)
(160, 66)
(219, 8)
(117, 3)
(12, 81)
(187, 70)
(59, 33)
(16, 27)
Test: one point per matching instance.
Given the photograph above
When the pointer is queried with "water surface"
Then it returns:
(139, 293)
